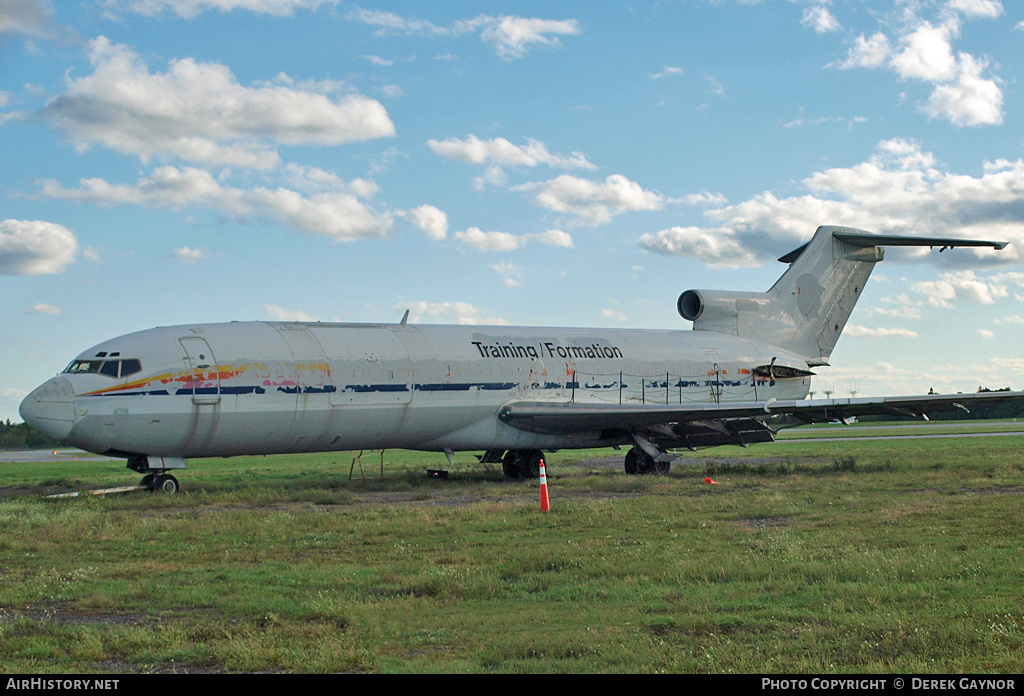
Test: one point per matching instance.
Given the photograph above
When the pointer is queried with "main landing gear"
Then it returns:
(522, 464)
(639, 462)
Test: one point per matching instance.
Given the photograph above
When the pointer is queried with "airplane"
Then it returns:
(164, 395)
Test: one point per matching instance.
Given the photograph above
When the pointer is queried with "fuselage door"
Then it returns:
(203, 380)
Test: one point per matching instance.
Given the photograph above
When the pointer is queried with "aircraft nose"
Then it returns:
(50, 409)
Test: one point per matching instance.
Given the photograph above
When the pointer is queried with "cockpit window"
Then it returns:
(110, 368)
(82, 367)
(130, 367)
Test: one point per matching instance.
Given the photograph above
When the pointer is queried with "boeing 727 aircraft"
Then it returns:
(161, 396)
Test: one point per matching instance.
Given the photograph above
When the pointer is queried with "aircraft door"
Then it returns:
(203, 371)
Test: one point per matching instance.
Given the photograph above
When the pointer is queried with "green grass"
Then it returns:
(865, 557)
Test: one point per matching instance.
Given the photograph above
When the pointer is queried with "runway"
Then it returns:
(61, 455)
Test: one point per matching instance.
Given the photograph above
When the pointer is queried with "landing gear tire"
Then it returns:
(529, 465)
(165, 483)
(639, 462)
(147, 482)
(519, 464)
(509, 466)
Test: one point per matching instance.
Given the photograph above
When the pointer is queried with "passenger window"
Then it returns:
(109, 368)
(130, 367)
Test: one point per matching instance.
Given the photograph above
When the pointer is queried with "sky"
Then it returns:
(528, 163)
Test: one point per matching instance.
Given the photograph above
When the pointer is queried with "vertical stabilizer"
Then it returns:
(808, 307)
(815, 296)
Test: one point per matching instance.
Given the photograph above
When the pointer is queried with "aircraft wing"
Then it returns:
(692, 423)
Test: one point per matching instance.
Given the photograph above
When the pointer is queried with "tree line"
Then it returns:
(15, 436)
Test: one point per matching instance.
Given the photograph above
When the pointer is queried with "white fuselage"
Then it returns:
(263, 387)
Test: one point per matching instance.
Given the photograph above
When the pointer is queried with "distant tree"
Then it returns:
(23, 436)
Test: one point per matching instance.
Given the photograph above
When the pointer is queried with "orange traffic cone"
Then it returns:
(708, 480)
(545, 504)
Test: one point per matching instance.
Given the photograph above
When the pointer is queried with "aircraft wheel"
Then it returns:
(165, 483)
(510, 465)
(632, 462)
(147, 482)
(529, 464)
(639, 462)
(662, 467)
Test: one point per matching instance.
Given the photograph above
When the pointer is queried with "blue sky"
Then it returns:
(570, 163)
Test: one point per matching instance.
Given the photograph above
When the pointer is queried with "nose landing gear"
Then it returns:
(164, 483)
(155, 469)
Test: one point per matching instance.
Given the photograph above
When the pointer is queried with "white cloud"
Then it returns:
(667, 71)
(511, 36)
(927, 53)
(431, 220)
(553, 237)
(923, 50)
(339, 215)
(870, 52)
(714, 85)
(503, 241)
(715, 247)
(190, 8)
(377, 60)
(473, 150)
(489, 241)
(42, 308)
(199, 112)
(705, 198)
(614, 314)
(510, 273)
(189, 255)
(968, 286)
(865, 332)
(902, 307)
(447, 312)
(900, 189)
(970, 100)
(34, 247)
(989, 9)
(282, 314)
(820, 19)
(593, 203)
(986, 334)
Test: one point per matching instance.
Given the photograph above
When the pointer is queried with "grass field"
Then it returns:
(857, 556)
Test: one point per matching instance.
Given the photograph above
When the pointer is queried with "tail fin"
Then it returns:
(807, 308)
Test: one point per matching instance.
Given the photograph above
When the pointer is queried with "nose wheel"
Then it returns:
(164, 483)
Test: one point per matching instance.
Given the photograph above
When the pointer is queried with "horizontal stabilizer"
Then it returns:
(865, 239)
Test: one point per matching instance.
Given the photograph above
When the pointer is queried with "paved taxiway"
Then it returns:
(62, 455)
